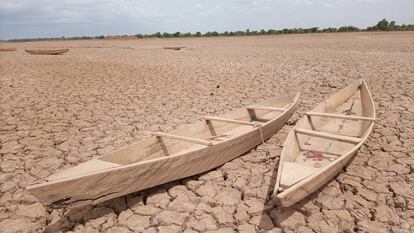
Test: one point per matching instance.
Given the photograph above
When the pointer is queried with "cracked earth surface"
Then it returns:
(58, 111)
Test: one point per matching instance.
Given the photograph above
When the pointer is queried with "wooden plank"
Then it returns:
(163, 146)
(86, 167)
(328, 135)
(181, 138)
(211, 128)
(253, 116)
(265, 108)
(209, 118)
(368, 108)
(322, 114)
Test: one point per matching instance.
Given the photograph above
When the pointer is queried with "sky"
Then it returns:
(56, 18)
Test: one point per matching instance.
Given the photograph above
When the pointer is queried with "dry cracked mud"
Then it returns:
(57, 111)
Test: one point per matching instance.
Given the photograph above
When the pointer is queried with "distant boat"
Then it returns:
(323, 142)
(7, 49)
(164, 157)
(174, 47)
(46, 51)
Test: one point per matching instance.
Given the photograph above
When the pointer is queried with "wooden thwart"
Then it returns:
(209, 118)
(265, 108)
(326, 135)
(182, 138)
(322, 114)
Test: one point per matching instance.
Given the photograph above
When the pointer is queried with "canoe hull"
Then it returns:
(7, 49)
(306, 186)
(112, 183)
(47, 52)
(290, 197)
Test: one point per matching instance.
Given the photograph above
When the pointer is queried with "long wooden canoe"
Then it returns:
(46, 51)
(7, 49)
(323, 142)
(174, 47)
(165, 157)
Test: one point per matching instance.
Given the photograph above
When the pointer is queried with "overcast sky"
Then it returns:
(55, 18)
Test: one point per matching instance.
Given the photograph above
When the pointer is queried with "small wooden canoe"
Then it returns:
(165, 157)
(323, 142)
(174, 47)
(7, 49)
(46, 51)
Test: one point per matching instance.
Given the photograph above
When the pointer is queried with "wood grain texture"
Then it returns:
(265, 108)
(144, 164)
(340, 116)
(186, 139)
(355, 101)
(328, 135)
(210, 118)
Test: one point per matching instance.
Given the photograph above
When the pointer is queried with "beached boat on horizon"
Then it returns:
(7, 49)
(46, 51)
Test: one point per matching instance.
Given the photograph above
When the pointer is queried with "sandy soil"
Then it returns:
(57, 111)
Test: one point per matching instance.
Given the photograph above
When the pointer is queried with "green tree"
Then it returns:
(348, 29)
(392, 26)
(314, 29)
(382, 25)
(330, 29)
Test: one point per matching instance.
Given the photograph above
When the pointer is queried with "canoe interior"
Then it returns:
(154, 148)
(298, 156)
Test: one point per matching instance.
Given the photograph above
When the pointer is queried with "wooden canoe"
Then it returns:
(46, 51)
(7, 49)
(174, 47)
(165, 157)
(323, 142)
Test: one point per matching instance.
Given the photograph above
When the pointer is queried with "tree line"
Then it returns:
(382, 25)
